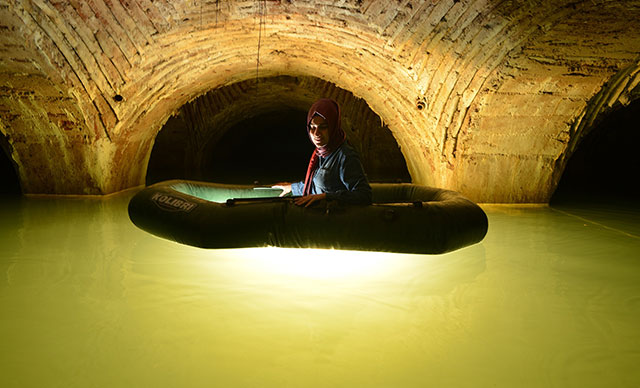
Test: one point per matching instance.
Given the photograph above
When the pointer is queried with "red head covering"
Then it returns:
(330, 111)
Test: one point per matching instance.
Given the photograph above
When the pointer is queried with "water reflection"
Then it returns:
(87, 299)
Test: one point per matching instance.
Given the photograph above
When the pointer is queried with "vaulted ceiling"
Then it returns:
(486, 97)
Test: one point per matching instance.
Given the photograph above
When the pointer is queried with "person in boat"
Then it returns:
(335, 171)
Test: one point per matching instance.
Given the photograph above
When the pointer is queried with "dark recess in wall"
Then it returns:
(9, 181)
(243, 134)
(168, 154)
(605, 167)
(269, 148)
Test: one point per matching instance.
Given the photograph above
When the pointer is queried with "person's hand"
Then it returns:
(309, 200)
(285, 187)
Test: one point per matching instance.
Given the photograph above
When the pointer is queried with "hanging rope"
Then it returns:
(217, 11)
(262, 10)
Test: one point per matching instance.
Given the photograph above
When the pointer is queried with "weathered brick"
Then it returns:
(507, 87)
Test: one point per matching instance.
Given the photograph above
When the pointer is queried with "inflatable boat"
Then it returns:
(403, 218)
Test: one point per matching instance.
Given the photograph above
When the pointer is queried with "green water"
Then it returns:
(551, 298)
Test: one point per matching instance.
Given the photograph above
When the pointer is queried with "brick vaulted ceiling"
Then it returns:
(486, 97)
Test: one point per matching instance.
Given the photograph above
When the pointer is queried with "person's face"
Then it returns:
(319, 131)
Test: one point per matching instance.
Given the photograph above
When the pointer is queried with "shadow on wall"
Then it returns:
(604, 167)
(9, 181)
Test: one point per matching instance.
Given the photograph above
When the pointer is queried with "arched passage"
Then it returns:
(604, 167)
(252, 131)
(9, 181)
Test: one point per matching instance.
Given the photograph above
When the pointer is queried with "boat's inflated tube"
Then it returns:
(404, 218)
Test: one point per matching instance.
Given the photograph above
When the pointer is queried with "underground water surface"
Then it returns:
(550, 298)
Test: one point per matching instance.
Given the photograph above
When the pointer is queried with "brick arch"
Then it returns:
(392, 77)
(619, 91)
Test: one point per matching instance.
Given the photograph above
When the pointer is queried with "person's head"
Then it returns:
(324, 127)
(319, 131)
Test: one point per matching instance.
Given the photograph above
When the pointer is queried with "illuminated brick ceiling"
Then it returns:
(489, 98)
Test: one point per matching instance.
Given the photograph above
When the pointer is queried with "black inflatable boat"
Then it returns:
(403, 218)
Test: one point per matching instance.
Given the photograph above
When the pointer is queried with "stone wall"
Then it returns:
(486, 97)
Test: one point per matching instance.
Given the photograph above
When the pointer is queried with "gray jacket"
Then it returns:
(341, 176)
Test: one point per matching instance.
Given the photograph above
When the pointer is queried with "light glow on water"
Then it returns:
(327, 264)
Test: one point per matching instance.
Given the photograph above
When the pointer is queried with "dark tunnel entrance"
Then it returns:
(9, 180)
(266, 149)
(604, 167)
(241, 134)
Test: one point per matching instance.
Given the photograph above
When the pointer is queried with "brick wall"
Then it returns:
(485, 97)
